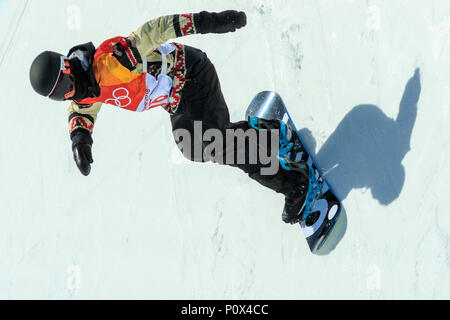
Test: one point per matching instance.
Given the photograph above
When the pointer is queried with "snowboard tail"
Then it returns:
(322, 209)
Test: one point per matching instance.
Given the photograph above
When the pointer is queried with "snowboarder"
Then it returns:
(142, 71)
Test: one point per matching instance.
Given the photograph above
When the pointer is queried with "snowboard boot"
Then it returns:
(293, 204)
(289, 155)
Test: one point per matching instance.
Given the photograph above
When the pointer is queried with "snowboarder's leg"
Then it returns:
(202, 101)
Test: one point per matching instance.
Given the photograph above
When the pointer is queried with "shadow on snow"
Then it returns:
(367, 148)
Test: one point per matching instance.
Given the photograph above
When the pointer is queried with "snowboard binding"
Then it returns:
(290, 156)
(291, 150)
(297, 207)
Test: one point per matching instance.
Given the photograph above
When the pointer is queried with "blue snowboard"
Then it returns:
(322, 209)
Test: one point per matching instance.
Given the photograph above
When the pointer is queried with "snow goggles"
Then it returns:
(64, 87)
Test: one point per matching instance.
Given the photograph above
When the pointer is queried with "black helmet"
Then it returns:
(47, 77)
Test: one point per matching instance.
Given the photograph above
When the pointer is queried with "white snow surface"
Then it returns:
(145, 224)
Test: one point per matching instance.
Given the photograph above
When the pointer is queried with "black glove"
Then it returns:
(222, 22)
(81, 147)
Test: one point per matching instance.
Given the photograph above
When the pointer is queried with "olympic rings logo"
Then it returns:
(118, 99)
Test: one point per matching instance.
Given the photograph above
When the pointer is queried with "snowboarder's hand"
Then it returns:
(83, 158)
(81, 147)
(222, 22)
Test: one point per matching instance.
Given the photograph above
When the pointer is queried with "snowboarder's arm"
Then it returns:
(81, 125)
(158, 31)
(83, 117)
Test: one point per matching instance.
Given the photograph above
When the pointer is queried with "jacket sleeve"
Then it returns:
(158, 31)
(82, 118)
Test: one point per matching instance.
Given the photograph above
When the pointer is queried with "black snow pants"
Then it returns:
(202, 100)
